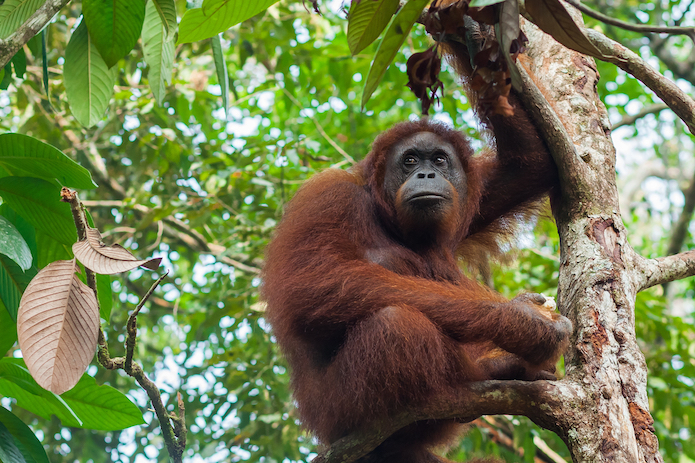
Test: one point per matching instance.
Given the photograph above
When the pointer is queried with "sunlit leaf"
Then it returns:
(391, 43)
(217, 16)
(88, 80)
(158, 51)
(13, 13)
(57, 326)
(12, 244)
(367, 20)
(38, 202)
(25, 156)
(114, 26)
(167, 13)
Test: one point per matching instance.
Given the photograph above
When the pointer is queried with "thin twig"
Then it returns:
(676, 99)
(647, 110)
(323, 133)
(172, 425)
(645, 28)
(132, 324)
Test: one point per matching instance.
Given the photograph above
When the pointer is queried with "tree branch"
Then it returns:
(526, 398)
(681, 229)
(681, 104)
(647, 110)
(673, 30)
(31, 27)
(666, 269)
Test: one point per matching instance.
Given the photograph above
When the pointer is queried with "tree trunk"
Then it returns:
(601, 408)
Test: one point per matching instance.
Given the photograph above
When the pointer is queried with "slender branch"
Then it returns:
(132, 325)
(681, 104)
(666, 269)
(681, 229)
(323, 133)
(647, 110)
(172, 425)
(472, 401)
(31, 27)
(673, 30)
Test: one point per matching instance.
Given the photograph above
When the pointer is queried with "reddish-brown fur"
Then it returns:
(370, 325)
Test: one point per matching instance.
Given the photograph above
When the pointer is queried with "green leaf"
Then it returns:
(6, 76)
(217, 16)
(9, 453)
(19, 61)
(367, 20)
(50, 250)
(38, 202)
(12, 244)
(221, 68)
(25, 156)
(88, 80)
(13, 282)
(391, 43)
(8, 330)
(482, 3)
(22, 439)
(13, 13)
(102, 407)
(114, 26)
(158, 52)
(105, 296)
(167, 13)
(16, 382)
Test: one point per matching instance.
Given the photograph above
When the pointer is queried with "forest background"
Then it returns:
(200, 181)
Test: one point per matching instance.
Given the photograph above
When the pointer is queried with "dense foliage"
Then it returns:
(202, 186)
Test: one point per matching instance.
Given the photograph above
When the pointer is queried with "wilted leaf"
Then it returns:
(552, 17)
(508, 30)
(57, 326)
(108, 260)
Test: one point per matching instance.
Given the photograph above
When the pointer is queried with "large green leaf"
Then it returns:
(50, 250)
(13, 282)
(8, 330)
(167, 13)
(16, 382)
(391, 43)
(105, 296)
(367, 20)
(217, 16)
(38, 202)
(12, 244)
(15, 435)
(221, 68)
(25, 156)
(158, 51)
(88, 80)
(13, 13)
(102, 407)
(114, 26)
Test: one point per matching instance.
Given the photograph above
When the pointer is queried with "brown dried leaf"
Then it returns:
(552, 17)
(108, 260)
(57, 326)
